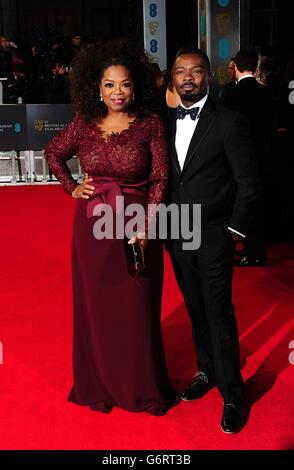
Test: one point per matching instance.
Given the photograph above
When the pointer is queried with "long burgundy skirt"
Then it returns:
(118, 357)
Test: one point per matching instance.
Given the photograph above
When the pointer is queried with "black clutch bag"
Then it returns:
(135, 258)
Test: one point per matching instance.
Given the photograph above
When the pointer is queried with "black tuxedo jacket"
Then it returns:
(220, 170)
(257, 103)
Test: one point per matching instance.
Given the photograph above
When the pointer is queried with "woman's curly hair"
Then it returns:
(88, 69)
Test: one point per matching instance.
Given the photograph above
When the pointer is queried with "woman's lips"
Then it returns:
(118, 101)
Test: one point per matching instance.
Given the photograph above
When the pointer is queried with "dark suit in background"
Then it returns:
(257, 103)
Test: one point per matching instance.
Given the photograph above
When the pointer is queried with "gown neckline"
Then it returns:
(106, 136)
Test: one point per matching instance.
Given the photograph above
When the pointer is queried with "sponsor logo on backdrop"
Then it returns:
(222, 22)
(47, 126)
(39, 125)
(16, 127)
(155, 31)
(153, 27)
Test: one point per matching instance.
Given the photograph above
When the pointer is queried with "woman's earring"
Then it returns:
(101, 98)
(133, 96)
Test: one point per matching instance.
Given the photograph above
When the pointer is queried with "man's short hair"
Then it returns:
(195, 51)
(246, 60)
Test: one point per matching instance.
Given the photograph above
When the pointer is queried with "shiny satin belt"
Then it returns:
(106, 191)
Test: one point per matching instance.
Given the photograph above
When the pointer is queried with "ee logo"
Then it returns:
(153, 46)
(224, 49)
(153, 10)
(17, 127)
(223, 3)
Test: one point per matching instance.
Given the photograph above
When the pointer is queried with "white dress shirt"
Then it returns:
(245, 76)
(185, 130)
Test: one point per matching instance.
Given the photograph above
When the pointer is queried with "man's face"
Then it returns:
(5, 43)
(190, 78)
(76, 40)
(231, 71)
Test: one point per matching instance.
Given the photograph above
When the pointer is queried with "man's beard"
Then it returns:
(192, 98)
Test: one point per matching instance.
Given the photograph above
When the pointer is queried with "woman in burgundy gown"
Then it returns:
(118, 357)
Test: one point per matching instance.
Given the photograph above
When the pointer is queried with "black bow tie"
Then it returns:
(182, 112)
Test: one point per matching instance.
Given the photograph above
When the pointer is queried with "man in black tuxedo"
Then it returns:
(212, 164)
(231, 83)
(257, 103)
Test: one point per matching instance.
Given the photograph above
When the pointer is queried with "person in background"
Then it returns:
(6, 63)
(56, 85)
(21, 86)
(72, 49)
(231, 80)
(257, 104)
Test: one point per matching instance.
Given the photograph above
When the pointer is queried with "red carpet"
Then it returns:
(35, 332)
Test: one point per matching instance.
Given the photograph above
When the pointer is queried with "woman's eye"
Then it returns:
(127, 85)
(108, 85)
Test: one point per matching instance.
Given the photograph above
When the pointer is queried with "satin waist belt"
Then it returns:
(106, 191)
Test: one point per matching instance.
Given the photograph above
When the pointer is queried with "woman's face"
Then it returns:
(117, 88)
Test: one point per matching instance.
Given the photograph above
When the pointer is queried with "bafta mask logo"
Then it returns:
(153, 27)
(221, 74)
(39, 125)
(222, 23)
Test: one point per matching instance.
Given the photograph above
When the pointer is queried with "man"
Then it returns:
(231, 82)
(212, 164)
(231, 73)
(257, 103)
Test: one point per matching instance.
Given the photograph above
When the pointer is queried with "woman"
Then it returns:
(118, 356)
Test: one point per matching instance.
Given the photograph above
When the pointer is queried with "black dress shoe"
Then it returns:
(240, 253)
(233, 418)
(198, 388)
(245, 261)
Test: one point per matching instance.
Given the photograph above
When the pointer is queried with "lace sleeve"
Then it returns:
(60, 149)
(158, 176)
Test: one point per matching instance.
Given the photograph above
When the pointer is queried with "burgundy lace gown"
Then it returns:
(118, 357)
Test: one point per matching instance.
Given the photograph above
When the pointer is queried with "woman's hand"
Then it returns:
(141, 238)
(83, 190)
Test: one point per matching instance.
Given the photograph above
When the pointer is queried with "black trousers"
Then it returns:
(205, 279)
(254, 243)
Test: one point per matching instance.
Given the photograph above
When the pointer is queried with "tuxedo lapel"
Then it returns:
(172, 141)
(206, 119)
